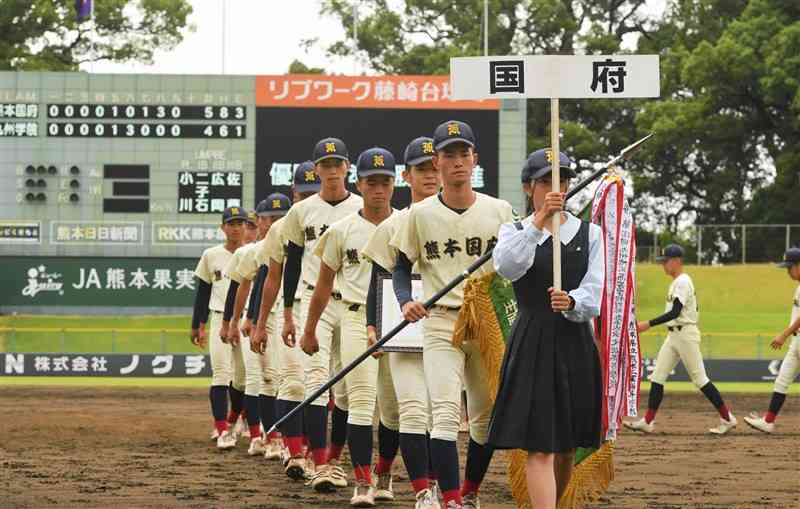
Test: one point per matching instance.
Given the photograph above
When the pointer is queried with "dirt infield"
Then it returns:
(82, 447)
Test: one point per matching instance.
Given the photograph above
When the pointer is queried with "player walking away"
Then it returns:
(550, 397)
(790, 367)
(305, 223)
(260, 368)
(405, 371)
(212, 288)
(291, 360)
(339, 250)
(682, 344)
(444, 234)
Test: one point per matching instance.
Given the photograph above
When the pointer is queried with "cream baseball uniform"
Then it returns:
(260, 369)
(211, 269)
(305, 223)
(405, 375)
(340, 249)
(683, 338)
(237, 357)
(790, 367)
(290, 361)
(444, 243)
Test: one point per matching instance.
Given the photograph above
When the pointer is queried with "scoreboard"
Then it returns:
(143, 165)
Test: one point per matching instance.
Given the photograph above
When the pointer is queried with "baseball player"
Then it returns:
(291, 386)
(790, 367)
(400, 372)
(260, 368)
(305, 223)
(341, 261)
(444, 234)
(682, 344)
(212, 288)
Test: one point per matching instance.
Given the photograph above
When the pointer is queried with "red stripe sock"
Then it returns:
(255, 431)
(420, 484)
(295, 446)
(320, 456)
(384, 465)
(649, 416)
(334, 452)
(469, 487)
(232, 417)
(363, 474)
(453, 495)
(274, 435)
(724, 412)
(770, 417)
(222, 426)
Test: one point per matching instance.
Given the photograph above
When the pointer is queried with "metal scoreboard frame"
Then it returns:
(140, 165)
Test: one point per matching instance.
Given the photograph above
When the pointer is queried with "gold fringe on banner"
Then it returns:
(477, 321)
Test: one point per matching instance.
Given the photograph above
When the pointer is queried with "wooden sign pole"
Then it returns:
(555, 165)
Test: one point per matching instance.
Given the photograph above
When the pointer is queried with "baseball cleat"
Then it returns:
(758, 422)
(214, 435)
(427, 500)
(309, 468)
(227, 440)
(640, 425)
(338, 477)
(436, 492)
(256, 447)
(273, 450)
(453, 505)
(471, 501)
(295, 469)
(363, 495)
(724, 426)
(383, 488)
(322, 481)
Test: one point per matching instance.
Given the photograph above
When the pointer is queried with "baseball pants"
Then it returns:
(261, 370)
(323, 364)
(408, 375)
(291, 360)
(448, 370)
(360, 383)
(684, 346)
(388, 406)
(790, 367)
(221, 353)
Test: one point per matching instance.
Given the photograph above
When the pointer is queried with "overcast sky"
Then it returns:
(262, 37)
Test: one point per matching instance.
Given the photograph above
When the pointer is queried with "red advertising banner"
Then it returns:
(391, 92)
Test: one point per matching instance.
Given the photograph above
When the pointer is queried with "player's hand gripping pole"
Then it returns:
(624, 154)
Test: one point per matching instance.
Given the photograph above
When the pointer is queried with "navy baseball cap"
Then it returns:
(330, 148)
(453, 131)
(305, 178)
(540, 163)
(671, 251)
(418, 151)
(790, 257)
(234, 213)
(375, 161)
(252, 217)
(276, 204)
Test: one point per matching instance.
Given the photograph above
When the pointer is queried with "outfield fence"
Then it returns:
(715, 345)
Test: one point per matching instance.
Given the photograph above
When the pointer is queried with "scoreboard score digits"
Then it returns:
(146, 112)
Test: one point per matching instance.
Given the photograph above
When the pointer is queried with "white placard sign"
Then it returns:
(389, 316)
(555, 76)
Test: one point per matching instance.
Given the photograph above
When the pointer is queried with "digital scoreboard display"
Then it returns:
(142, 165)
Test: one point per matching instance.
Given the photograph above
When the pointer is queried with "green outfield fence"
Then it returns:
(716, 345)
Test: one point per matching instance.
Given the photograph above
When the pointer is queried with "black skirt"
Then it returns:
(550, 392)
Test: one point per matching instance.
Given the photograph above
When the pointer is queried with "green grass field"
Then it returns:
(742, 307)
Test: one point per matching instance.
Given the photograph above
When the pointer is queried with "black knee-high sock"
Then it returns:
(414, 448)
(218, 394)
(294, 426)
(338, 426)
(775, 404)
(431, 468)
(267, 411)
(359, 440)
(251, 409)
(388, 442)
(237, 399)
(710, 391)
(317, 418)
(654, 401)
(478, 459)
(445, 460)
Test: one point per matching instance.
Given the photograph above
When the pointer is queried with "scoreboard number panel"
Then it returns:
(145, 130)
(146, 112)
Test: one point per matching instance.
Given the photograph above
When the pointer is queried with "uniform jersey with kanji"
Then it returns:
(444, 242)
(682, 289)
(232, 269)
(308, 220)
(379, 248)
(340, 248)
(249, 262)
(211, 269)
